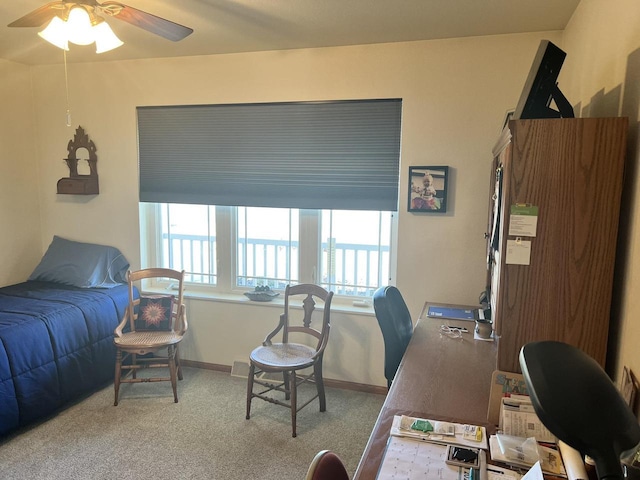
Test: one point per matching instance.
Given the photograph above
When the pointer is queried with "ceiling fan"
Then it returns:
(151, 23)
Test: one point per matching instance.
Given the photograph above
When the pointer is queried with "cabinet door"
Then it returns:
(501, 155)
(496, 238)
(571, 169)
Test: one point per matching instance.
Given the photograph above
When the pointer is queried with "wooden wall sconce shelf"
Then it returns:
(76, 184)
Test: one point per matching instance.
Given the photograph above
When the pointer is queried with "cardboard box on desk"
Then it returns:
(503, 384)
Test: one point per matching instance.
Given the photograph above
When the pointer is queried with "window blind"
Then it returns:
(319, 155)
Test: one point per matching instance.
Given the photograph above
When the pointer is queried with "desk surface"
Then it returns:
(439, 378)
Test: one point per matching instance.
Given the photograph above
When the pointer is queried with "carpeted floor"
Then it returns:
(204, 436)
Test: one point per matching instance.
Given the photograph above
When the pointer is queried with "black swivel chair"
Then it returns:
(576, 400)
(396, 325)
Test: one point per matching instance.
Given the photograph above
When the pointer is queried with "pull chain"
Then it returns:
(66, 87)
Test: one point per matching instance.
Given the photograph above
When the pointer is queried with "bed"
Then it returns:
(56, 330)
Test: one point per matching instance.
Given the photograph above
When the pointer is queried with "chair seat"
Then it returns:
(144, 339)
(279, 355)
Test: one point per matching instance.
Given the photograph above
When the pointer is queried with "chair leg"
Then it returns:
(252, 370)
(287, 388)
(317, 373)
(134, 358)
(294, 405)
(178, 366)
(118, 373)
(172, 370)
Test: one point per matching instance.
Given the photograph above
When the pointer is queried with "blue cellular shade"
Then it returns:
(318, 155)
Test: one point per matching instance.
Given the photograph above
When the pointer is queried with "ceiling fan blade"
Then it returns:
(39, 16)
(165, 28)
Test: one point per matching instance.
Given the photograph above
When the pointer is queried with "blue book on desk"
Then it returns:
(452, 312)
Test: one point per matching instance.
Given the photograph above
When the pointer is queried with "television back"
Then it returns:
(541, 86)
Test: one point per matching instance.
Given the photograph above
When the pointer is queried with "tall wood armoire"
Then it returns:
(553, 225)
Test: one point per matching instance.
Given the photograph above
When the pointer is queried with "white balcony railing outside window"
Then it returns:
(350, 269)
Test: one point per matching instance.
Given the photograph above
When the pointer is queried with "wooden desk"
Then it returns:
(439, 378)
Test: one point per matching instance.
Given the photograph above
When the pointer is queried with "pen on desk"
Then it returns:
(462, 329)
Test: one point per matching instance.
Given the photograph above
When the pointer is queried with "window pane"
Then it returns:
(267, 246)
(189, 241)
(355, 251)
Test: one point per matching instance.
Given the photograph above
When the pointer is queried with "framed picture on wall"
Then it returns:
(428, 189)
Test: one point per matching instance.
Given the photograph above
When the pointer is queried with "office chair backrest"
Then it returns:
(576, 400)
(396, 325)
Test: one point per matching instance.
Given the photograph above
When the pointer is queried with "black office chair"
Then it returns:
(576, 400)
(396, 325)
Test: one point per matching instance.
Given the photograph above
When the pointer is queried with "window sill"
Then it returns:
(339, 304)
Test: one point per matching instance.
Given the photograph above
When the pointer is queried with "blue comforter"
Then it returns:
(56, 344)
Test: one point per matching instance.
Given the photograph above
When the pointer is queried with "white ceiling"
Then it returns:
(230, 26)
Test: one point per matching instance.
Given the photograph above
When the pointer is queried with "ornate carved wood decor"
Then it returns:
(75, 183)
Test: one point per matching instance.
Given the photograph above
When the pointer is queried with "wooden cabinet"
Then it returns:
(571, 170)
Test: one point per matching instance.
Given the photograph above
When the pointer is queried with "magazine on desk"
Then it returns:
(453, 313)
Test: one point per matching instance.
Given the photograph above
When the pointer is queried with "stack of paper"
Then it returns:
(518, 418)
(420, 454)
(550, 458)
(494, 472)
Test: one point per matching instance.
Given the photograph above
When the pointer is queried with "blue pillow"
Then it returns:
(84, 265)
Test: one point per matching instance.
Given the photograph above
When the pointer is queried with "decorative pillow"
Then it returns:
(84, 265)
(154, 313)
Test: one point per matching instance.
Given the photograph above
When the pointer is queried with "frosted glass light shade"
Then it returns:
(105, 38)
(79, 28)
(56, 33)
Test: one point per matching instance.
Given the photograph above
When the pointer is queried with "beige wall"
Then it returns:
(455, 94)
(602, 77)
(20, 239)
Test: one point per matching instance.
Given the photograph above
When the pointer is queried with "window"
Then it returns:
(268, 242)
(288, 169)
(348, 252)
(356, 249)
(188, 241)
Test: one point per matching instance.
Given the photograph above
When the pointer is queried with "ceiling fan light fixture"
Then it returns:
(105, 38)
(82, 28)
(56, 33)
(77, 21)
